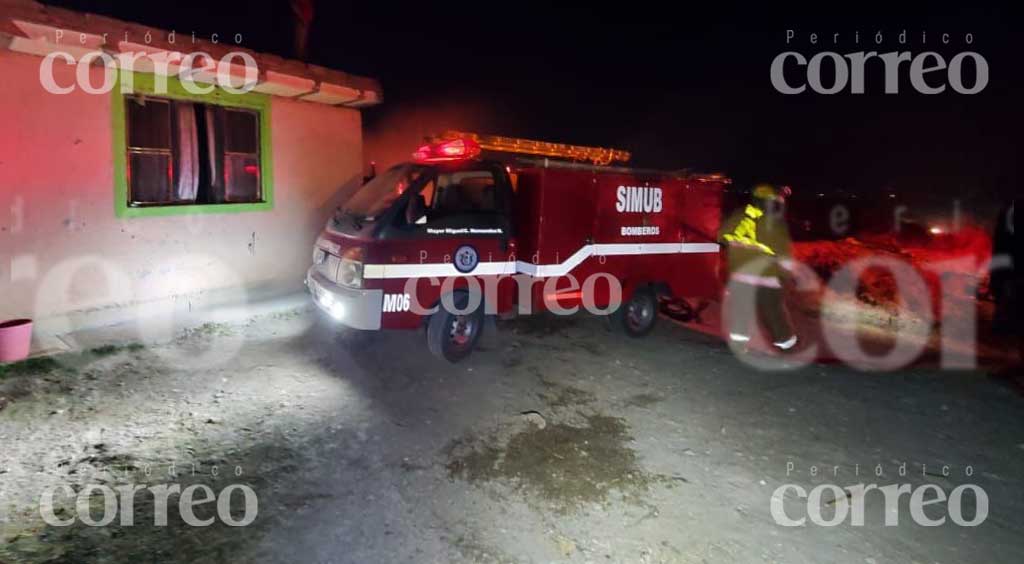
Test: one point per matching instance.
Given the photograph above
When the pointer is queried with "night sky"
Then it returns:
(679, 88)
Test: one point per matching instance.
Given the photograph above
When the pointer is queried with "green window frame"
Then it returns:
(145, 84)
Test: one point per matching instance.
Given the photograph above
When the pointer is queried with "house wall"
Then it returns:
(62, 248)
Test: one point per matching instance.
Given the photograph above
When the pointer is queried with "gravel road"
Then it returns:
(558, 442)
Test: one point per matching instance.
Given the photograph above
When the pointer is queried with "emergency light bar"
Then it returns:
(596, 155)
(448, 151)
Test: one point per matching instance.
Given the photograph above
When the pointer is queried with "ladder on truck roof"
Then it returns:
(595, 155)
(684, 173)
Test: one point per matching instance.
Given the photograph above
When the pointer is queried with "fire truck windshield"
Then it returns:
(377, 195)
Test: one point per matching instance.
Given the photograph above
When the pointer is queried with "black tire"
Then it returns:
(452, 337)
(636, 317)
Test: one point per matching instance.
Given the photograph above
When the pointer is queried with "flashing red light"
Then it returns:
(251, 169)
(448, 151)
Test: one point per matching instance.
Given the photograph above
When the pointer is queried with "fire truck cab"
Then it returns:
(463, 231)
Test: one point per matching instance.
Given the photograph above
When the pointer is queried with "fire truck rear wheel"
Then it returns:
(636, 317)
(451, 336)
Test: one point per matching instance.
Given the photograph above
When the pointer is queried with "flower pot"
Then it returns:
(15, 338)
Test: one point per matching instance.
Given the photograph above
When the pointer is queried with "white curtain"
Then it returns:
(188, 152)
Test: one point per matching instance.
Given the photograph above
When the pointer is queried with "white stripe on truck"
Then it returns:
(438, 269)
(444, 269)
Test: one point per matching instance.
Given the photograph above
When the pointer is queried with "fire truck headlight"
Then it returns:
(350, 273)
(327, 300)
(337, 310)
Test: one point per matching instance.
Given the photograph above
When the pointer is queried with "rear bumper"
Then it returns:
(358, 309)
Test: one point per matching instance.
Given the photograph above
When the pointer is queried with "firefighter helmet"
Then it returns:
(766, 192)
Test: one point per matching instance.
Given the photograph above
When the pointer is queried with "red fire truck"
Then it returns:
(477, 225)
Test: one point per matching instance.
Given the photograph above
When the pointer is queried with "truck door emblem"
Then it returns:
(466, 259)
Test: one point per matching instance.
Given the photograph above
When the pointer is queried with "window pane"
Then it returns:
(242, 178)
(240, 132)
(149, 178)
(185, 152)
(461, 192)
(149, 123)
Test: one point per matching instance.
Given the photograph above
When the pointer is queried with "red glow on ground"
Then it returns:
(957, 258)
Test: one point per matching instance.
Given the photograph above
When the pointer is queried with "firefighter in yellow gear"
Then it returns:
(758, 245)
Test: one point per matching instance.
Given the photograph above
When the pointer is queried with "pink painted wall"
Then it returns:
(62, 249)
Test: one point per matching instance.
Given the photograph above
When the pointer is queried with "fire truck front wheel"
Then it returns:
(452, 336)
(636, 316)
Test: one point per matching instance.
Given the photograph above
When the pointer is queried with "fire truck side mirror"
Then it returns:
(372, 174)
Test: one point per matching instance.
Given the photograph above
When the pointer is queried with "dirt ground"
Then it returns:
(558, 442)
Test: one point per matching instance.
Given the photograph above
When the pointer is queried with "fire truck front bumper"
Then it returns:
(358, 309)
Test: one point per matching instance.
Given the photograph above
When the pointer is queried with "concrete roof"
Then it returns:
(30, 27)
